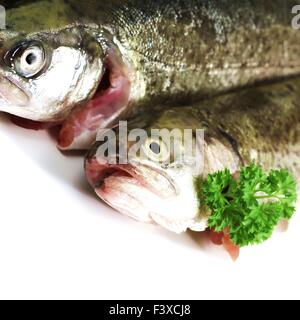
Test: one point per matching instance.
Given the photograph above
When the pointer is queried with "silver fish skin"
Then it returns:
(259, 124)
(86, 64)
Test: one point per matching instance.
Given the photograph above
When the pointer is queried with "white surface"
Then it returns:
(58, 241)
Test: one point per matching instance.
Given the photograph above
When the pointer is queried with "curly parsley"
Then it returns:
(251, 206)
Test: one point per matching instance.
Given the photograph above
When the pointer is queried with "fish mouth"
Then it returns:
(106, 105)
(131, 189)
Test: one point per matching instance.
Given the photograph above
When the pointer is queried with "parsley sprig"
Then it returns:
(249, 207)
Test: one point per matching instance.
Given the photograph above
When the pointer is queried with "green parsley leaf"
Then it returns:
(251, 207)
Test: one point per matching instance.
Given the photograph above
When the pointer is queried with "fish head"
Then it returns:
(48, 65)
(152, 180)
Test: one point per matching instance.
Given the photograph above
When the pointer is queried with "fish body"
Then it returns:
(86, 64)
(260, 124)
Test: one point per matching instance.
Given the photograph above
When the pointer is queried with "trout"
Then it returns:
(259, 124)
(86, 64)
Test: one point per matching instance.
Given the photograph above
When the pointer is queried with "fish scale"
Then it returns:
(259, 124)
(170, 52)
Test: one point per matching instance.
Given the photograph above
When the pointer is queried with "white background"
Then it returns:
(58, 241)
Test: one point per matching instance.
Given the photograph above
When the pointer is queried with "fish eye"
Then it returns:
(155, 149)
(29, 59)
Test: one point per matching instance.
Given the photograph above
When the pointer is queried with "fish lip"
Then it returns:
(11, 81)
(132, 170)
(14, 82)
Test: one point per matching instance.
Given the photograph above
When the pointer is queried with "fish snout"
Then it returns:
(11, 95)
(97, 172)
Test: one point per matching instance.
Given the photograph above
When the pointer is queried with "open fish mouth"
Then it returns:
(106, 105)
(133, 190)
